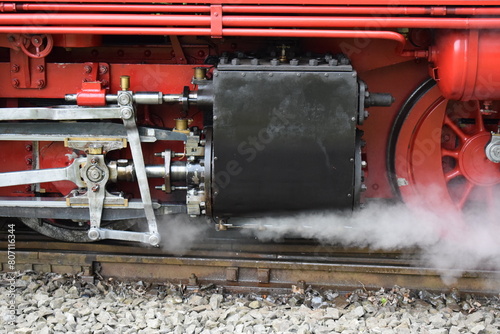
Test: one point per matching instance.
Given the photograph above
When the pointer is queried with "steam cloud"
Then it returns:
(446, 242)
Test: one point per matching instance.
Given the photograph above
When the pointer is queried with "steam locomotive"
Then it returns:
(119, 112)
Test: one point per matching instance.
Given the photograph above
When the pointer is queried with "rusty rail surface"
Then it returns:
(243, 265)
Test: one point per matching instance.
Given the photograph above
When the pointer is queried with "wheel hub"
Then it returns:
(475, 166)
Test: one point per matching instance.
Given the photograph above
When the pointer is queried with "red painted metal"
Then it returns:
(104, 19)
(440, 162)
(317, 2)
(321, 10)
(465, 64)
(122, 7)
(91, 94)
(361, 22)
(245, 21)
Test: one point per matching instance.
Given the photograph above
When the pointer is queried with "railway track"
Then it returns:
(243, 264)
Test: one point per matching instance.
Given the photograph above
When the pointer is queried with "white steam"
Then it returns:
(444, 242)
(179, 233)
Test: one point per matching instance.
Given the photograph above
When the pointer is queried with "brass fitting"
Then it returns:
(181, 125)
(200, 73)
(125, 82)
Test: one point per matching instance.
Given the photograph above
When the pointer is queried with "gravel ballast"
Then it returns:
(52, 303)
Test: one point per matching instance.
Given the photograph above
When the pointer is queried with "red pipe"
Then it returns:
(345, 10)
(103, 30)
(250, 21)
(111, 8)
(364, 22)
(106, 19)
(389, 35)
(322, 10)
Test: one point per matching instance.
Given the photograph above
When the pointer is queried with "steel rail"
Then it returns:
(241, 264)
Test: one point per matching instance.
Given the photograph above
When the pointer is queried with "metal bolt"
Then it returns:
(29, 148)
(294, 62)
(364, 164)
(124, 99)
(14, 68)
(223, 60)
(147, 53)
(15, 83)
(363, 187)
(93, 161)
(270, 74)
(40, 83)
(154, 239)
(326, 75)
(29, 161)
(313, 62)
(243, 74)
(127, 113)
(93, 234)
(333, 62)
(255, 61)
(353, 119)
(103, 69)
(87, 69)
(215, 117)
(40, 68)
(95, 188)
(275, 62)
(235, 61)
(193, 280)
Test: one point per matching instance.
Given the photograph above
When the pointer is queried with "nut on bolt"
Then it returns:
(93, 234)
(127, 113)
(154, 239)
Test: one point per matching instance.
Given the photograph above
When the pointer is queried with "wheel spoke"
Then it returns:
(465, 195)
(460, 134)
(452, 174)
(450, 153)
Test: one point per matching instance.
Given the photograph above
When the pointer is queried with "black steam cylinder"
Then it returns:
(285, 138)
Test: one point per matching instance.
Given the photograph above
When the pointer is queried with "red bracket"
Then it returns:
(216, 21)
(96, 72)
(27, 72)
(91, 94)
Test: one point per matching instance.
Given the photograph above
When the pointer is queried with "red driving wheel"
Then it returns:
(438, 154)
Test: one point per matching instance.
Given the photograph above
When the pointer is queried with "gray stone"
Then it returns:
(477, 329)
(437, 321)
(474, 318)
(73, 292)
(332, 313)
(196, 300)
(358, 312)
(254, 304)
(215, 301)
(438, 331)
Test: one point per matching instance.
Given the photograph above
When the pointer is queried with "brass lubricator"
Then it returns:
(181, 125)
(200, 73)
(283, 57)
(125, 82)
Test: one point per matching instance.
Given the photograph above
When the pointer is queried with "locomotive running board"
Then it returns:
(125, 112)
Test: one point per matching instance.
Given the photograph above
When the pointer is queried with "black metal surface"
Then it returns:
(283, 141)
